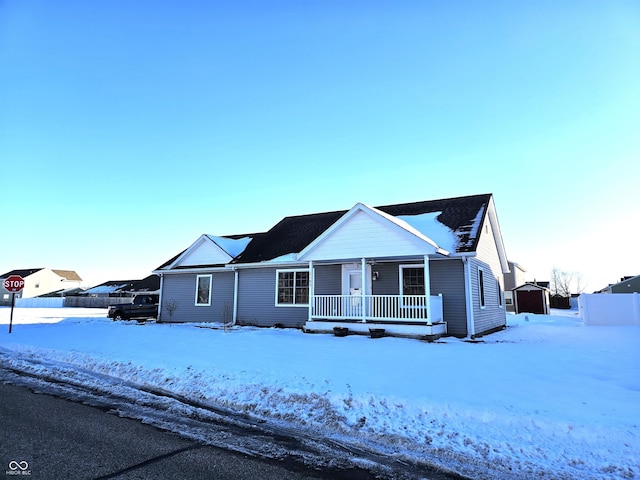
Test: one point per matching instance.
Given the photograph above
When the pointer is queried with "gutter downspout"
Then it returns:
(427, 289)
(235, 296)
(471, 324)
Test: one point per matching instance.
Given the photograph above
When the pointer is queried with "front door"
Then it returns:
(355, 291)
(352, 286)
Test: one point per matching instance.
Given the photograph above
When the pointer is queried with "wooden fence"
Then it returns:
(95, 302)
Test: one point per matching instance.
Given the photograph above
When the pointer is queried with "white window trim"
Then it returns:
(482, 288)
(198, 277)
(292, 270)
(401, 284)
(508, 300)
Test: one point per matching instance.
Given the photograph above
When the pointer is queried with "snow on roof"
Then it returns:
(105, 289)
(233, 246)
(473, 228)
(429, 226)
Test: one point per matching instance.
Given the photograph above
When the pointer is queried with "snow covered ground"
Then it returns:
(545, 398)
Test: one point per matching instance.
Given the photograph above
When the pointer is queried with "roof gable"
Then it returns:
(367, 232)
(531, 286)
(464, 216)
(203, 251)
(209, 250)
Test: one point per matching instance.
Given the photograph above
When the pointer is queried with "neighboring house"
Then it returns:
(419, 269)
(532, 298)
(125, 288)
(514, 278)
(625, 285)
(42, 281)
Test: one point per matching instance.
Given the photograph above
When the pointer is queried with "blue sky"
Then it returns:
(127, 129)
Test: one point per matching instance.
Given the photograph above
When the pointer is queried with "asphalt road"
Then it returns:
(46, 437)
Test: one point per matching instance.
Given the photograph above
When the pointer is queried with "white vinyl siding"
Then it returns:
(364, 235)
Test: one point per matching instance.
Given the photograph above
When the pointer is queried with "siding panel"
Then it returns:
(257, 298)
(447, 278)
(182, 289)
(388, 279)
(328, 279)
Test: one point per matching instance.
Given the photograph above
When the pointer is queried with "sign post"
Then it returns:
(13, 284)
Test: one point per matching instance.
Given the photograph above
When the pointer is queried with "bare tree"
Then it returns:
(565, 283)
(171, 306)
(227, 316)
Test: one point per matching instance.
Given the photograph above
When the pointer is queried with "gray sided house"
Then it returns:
(422, 269)
(625, 285)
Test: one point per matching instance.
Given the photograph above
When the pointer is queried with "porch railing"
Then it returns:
(404, 308)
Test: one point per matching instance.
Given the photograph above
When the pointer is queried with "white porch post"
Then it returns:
(312, 288)
(427, 288)
(160, 298)
(362, 290)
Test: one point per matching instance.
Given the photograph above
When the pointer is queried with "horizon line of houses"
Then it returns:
(422, 269)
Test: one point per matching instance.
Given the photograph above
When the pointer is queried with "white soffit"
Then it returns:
(362, 232)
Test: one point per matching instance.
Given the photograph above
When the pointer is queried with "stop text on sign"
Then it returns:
(14, 283)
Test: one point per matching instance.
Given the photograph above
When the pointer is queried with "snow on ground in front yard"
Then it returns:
(546, 398)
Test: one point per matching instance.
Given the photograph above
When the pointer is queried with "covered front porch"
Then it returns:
(399, 306)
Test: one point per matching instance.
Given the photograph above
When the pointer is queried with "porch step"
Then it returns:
(405, 329)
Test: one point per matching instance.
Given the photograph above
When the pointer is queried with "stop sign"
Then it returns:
(14, 284)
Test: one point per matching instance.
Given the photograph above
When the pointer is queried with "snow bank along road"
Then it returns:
(45, 437)
(546, 398)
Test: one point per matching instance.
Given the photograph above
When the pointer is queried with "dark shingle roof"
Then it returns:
(463, 215)
(23, 272)
(460, 214)
(150, 283)
(290, 235)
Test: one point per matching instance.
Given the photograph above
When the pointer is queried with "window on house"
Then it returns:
(412, 279)
(292, 287)
(203, 290)
(481, 287)
(508, 298)
(499, 289)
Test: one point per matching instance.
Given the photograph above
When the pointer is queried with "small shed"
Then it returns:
(531, 298)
